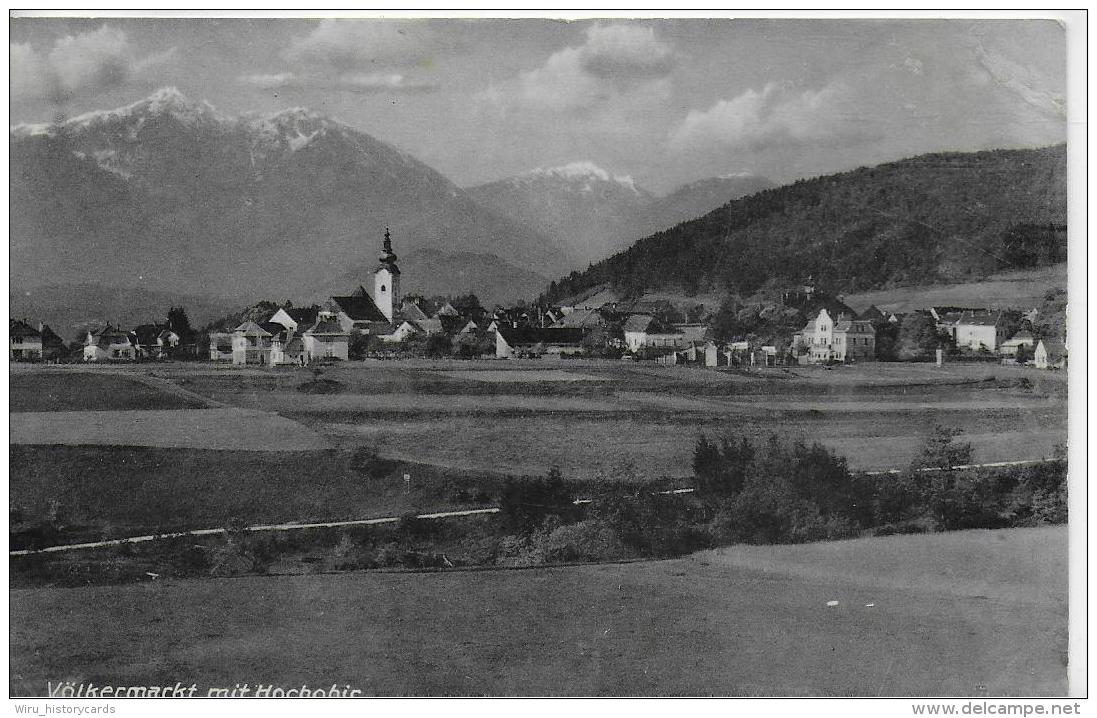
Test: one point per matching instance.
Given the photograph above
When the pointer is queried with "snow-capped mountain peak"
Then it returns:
(583, 172)
(165, 102)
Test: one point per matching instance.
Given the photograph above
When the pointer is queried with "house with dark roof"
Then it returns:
(326, 339)
(24, 341)
(826, 339)
(110, 344)
(535, 341)
(295, 318)
(644, 332)
(154, 341)
(977, 329)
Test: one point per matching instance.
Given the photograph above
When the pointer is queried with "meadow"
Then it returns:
(737, 621)
(246, 443)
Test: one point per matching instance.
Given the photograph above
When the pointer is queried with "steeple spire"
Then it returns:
(387, 256)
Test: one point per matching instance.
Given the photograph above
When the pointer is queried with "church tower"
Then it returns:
(386, 281)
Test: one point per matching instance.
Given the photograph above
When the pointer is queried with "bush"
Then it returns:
(585, 541)
(525, 503)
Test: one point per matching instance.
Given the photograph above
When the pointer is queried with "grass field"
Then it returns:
(638, 422)
(136, 490)
(971, 613)
(82, 391)
(217, 429)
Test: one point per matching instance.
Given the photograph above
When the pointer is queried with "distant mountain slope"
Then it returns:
(71, 308)
(939, 217)
(171, 192)
(595, 213)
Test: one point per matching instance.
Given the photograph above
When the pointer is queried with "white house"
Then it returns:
(643, 331)
(825, 339)
(979, 330)
(24, 341)
(110, 344)
(1050, 354)
(251, 344)
(326, 339)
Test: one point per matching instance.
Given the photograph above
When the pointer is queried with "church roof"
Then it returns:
(360, 307)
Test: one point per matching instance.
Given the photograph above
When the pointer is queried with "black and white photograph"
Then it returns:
(545, 355)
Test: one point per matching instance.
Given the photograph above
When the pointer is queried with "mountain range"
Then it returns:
(169, 196)
(594, 213)
(168, 192)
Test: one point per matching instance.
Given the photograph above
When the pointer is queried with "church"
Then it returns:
(301, 336)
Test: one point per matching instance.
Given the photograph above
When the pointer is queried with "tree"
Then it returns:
(721, 468)
(179, 323)
(1024, 353)
(918, 339)
(526, 502)
(941, 450)
(437, 346)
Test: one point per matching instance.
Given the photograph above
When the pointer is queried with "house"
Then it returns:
(1022, 338)
(824, 339)
(411, 312)
(535, 341)
(764, 356)
(326, 339)
(715, 356)
(455, 326)
(978, 330)
(110, 344)
(24, 341)
(293, 318)
(581, 319)
(251, 344)
(692, 332)
(644, 331)
(53, 346)
(447, 310)
(154, 341)
(220, 346)
(1050, 354)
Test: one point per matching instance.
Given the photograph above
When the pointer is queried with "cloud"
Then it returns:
(95, 61)
(347, 45)
(625, 52)
(614, 59)
(360, 83)
(777, 115)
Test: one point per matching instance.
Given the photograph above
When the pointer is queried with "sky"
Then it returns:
(663, 101)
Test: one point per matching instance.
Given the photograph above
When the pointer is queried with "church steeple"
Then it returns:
(386, 280)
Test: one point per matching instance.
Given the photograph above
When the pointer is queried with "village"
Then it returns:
(383, 323)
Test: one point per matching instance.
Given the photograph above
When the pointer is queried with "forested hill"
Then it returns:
(929, 218)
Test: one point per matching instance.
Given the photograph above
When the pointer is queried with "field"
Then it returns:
(986, 615)
(222, 441)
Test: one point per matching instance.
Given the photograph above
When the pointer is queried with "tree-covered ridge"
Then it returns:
(929, 218)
